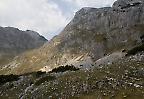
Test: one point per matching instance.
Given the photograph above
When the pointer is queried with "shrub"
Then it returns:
(64, 69)
(39, 74)
(8, 78)
(35, 74)
(135, 50)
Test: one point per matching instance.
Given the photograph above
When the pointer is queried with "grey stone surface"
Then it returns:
(13, 40)
(100, 31)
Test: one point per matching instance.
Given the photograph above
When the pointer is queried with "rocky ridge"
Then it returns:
(14, 41)
(93, 34)
(115, 71)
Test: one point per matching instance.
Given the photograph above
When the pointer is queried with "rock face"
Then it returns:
(94, 33)
(14, 41)
(105, 30)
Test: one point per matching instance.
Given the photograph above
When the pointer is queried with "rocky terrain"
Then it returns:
(100, 54)
(122, 79)
(14, 41)
(91, 35)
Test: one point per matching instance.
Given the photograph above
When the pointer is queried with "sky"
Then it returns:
(47, 17)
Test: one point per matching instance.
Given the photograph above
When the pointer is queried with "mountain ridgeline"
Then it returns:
(98, 55)
(93, 33)
(14, 41)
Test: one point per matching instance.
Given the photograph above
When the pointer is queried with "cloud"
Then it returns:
(39, 15)
(95, 3)
(48, 17)
(91, 3)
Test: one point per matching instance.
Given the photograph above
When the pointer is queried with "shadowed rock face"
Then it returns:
(94, 32)
(123, 4)
(14, 41)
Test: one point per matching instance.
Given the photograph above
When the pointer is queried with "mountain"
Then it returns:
(14, 41)
(100, 54)
(91, 35)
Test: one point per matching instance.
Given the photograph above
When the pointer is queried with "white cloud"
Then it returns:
(95, 3)
(39, 15)
(91, 3)
(48, 17)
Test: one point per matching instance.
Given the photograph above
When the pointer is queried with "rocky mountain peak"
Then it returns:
(123, 4)
(100, 54)
(92, 34)
(85, 10)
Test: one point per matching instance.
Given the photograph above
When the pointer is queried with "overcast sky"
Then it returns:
(48, 17)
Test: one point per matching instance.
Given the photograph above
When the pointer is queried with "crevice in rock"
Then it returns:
(131, 5)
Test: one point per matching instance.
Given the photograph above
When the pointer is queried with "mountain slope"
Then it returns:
(122, 79)
(114, 64)
(14, 41)
(92, 34)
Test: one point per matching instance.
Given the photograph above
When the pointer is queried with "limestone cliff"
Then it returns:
(94, 33)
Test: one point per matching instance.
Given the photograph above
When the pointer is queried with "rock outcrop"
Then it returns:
(14, 41)
(94, 32)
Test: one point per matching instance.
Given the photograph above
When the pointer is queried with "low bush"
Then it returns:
(135, 50)
(8, 78)
(64, 69)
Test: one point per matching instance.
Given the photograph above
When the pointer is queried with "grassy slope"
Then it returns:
(123, 79)
(6, 59)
